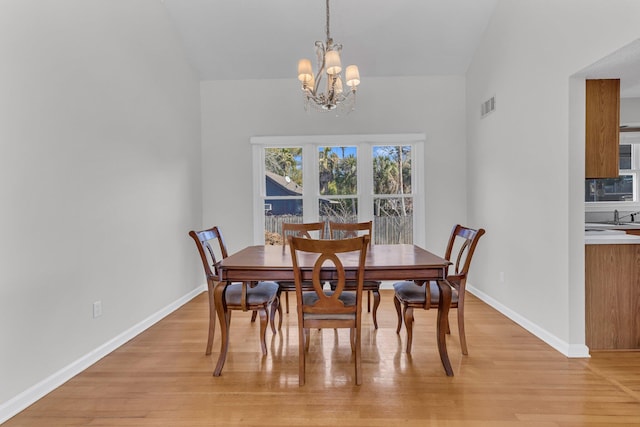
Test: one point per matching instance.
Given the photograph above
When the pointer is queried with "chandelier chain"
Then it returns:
(328, 32)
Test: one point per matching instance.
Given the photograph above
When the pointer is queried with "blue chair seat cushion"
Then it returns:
(261, 293)
(348, 298)
(410, 293)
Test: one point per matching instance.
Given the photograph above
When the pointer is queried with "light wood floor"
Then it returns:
(509, 378)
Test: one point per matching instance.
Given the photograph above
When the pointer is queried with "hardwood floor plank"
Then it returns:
(510, 378)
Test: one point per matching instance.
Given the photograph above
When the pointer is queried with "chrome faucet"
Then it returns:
(617, 217)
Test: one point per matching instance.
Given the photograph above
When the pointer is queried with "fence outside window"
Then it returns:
(386, 229)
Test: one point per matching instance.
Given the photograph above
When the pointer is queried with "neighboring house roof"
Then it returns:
(289, 187)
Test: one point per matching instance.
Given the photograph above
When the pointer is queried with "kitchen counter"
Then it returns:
(611, 226)
(609, 234)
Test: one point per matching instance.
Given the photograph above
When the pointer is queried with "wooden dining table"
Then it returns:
(384, 262)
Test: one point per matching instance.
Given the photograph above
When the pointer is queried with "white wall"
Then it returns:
(234, 111)
(99, 178)
(630, 110)
(526, 160)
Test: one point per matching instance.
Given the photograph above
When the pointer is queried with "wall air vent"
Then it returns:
(487, 106)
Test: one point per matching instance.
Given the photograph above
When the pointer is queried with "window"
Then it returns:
(282, 190)
(393, 198)
(622, 190)
(346, 178)
(338, 183)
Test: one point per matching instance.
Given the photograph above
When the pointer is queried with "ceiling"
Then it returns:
(623, 64)
(263, 39)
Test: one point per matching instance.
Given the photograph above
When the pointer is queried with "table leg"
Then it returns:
(443, 311)
(218, 295)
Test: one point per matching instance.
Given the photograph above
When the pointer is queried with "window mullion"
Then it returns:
(365, 181)
(310, 183)
(418, 193)
(259, 194)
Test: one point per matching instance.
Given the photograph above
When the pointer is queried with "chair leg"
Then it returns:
(212, 322)
(275, 307)
(463, 338)
(303, 342)
(264, 320)
(352, 339)
(358, 357)
(369, 303)
(286, 298)
(376, 303)
(396, 302)
(253, 316)
(279, 313)
(307, 335)
(224, 344)
(408, 321)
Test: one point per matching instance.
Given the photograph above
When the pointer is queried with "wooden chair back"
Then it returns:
(462, 245)
(345, 230)
(204, 240)
(328, 302)
(301, 230)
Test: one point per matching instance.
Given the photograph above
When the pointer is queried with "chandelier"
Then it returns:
(329, 64)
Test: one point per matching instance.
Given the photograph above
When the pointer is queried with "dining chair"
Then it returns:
(298, 230)
(253, 296)
(410, 294)
(342, 230)
(325, 308)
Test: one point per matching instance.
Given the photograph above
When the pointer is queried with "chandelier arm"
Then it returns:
(319, 100)
(321, 48)
(317, 82)
(331, 90)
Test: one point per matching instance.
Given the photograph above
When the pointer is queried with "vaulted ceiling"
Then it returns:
(263, 39)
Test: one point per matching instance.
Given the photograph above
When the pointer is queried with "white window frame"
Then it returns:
(632, 138)
(310, 170)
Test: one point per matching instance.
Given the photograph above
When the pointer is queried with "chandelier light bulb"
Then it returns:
(305, 73)
(332, 62)
(352, 76)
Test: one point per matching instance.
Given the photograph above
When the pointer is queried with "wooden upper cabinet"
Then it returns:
(602, 128)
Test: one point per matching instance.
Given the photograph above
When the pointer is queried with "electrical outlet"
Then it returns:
(97, 309)
(501, 277)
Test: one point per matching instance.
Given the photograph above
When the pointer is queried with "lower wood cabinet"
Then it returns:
(612, 293)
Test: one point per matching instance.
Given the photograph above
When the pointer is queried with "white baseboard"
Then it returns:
(13, 406)
(569, 350)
